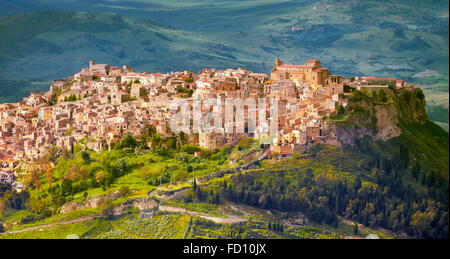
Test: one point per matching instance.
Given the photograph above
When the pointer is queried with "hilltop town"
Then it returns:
(101, 104)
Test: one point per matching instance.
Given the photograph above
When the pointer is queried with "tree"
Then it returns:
(128, 142)
(194, 184)
(421, 222)
(404, 155)
(107, 208)
(2, 208)
(86, 157)
(85, 196)
(120, 168)
(279, 227)
(355, 229)
(66, 187)
(314, 149)
(71, 98)
(37, 205)
(347, 89)
(340, 110)
(416, 171)
(124, 190)
(100, 177)
(264, 201)
(197, 193)
(358, 183)
(190, 149)
(381, 96)
(4, 188)
(53, 100)
(48, 170)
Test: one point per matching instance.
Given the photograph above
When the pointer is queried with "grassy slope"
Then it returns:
(427, 143)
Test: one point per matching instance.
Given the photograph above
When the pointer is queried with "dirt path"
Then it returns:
(66, 222)
(230, 219)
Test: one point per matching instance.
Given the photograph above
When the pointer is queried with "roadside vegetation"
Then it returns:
(133, 167)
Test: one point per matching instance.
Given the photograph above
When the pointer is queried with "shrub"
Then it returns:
(86, 157)
(128, 142)
(381, 96)
(124, 190)
(245, 143)
(190, 149)
(357, 96)
(150, 171)
(107, 208)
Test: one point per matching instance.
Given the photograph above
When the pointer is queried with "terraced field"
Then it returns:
(169, 226)
(160, 227)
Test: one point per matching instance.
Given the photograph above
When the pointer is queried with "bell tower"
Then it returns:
(277, 63)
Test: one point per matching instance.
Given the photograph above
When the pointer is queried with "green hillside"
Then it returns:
(322, 194)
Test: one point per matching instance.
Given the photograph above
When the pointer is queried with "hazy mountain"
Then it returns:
(53, 44)
(382, 38)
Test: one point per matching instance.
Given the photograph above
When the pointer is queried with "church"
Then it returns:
(312, 72)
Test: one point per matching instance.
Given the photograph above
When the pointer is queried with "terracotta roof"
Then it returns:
(293, 66)
(376, 78)
(131, 74)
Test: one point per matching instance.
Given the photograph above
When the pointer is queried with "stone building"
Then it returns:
(312, 72)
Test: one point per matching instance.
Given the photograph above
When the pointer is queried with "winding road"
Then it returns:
(65, 222)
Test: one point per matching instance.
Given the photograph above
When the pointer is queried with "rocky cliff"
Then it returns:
(380, 116)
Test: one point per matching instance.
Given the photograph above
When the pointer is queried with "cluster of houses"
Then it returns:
(7, 173)
(102, 103)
